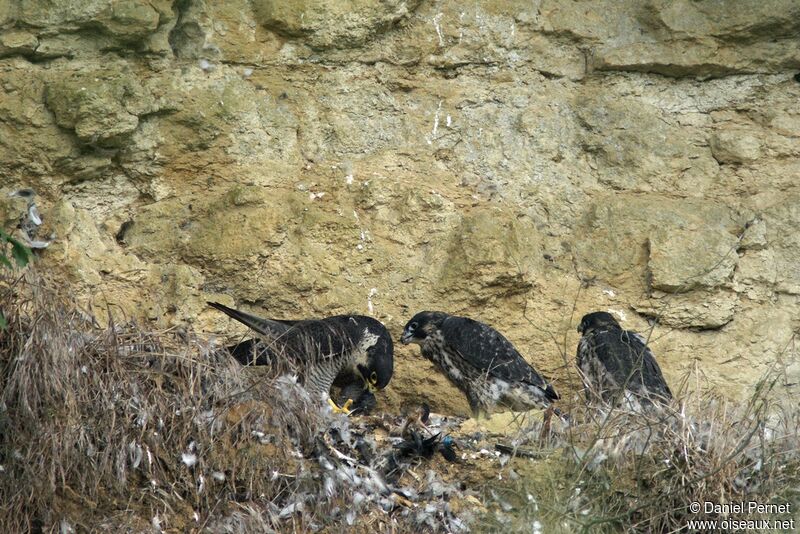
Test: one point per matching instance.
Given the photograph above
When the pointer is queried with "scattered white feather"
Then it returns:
(34, 215)
(189, 458)
(290, 509)
(436, 20)
(136, 454)
(619, 313)
(370, 306)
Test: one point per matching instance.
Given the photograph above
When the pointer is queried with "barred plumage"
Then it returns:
(479, 361)
(341, 350)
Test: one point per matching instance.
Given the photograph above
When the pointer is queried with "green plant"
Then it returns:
(19, 253)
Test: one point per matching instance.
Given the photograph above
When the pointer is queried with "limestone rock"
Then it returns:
(97, 106)
(616, 229)
(782, 221)
(685, 259)
(332, 24)
(17, 42)
(698, 309)
(731, 146)
(755, 235)
(756, 274)
(131, 19)
(635, 147)
(127, 21)
(494, 253)
(688, 38)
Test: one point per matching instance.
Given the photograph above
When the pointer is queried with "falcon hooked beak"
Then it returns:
(370, 379)
(410, 333)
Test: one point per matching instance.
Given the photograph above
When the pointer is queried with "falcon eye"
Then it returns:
(413, 326)
(373, 377)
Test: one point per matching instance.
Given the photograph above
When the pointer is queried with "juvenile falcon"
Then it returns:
(343, 349)
(479, 361)
(616, 365)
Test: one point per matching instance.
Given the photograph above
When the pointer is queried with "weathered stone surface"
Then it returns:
(328, 24)
(635, 147)
(495, 251)
(127, 20)
(311, 158)
(689, 38)
(782, 221)
(685, 259)
(730, 146)
(698, 309)
(17, 42)
(616, 229)
(95, 106)
(754, 236)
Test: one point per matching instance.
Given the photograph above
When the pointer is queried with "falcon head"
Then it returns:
(376, 370)
(421, 326)
(595, 321)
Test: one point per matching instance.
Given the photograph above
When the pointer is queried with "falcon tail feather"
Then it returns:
(265, 327)
(550, 393)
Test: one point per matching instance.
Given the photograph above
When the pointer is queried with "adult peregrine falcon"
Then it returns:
(479, 361)
(340, 350)
(617, 366)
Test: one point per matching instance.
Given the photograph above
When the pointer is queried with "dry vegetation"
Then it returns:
(130, 430)
(122, 429)
(621, 471)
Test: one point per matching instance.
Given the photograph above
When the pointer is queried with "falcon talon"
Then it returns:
(344, 409)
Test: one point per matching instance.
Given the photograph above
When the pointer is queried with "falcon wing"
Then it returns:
(629, 360)
(488, 350)
(251, 352)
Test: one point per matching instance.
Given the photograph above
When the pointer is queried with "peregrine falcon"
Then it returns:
(616, 365)
(341, 350)
(479, 361)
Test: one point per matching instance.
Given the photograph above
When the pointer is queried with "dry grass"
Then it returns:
(634, 472)
(123, 419)
(126, 429)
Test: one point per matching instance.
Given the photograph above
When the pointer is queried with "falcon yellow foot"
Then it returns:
(345, 409)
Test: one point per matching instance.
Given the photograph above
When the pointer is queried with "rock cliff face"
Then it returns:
(518, 162)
